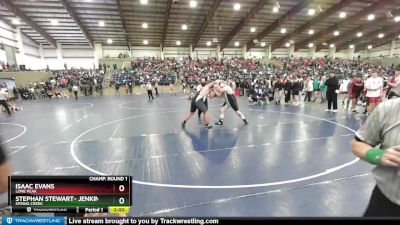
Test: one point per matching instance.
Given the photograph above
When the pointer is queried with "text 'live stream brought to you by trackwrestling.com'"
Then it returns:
(104, 220)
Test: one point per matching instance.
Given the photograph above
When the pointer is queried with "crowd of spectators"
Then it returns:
(282, 81)
(88, 81)
(292, 81)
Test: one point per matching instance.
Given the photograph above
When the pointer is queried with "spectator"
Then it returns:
(75, 90)
(117, 88)
(149, 91)
(156, 87)
(3, 99)
(323, 89)
(316, 89)
(344, 90)
(332, 91)
(130, 86)
(394, 85)
(374, 87)
(309, 88)
(355, 91)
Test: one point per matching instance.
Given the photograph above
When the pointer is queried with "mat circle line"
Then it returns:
(327, 171)
(19, 135)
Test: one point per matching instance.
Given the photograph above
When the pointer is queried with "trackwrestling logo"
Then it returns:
(32, 220)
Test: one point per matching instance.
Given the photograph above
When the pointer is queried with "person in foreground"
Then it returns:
(382, 129)
(5, 170)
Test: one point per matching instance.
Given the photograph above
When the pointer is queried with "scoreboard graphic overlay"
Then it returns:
(75, 194)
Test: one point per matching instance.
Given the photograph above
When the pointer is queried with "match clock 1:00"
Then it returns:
(118, 209)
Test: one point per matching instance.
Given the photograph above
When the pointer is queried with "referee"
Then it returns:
(382, 129)
(3, 98)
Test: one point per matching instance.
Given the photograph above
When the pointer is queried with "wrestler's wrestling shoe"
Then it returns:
(219, 123)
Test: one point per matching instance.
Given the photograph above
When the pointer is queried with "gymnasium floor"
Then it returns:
(290, 161)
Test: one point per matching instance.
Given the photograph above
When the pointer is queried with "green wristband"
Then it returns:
(374, 155)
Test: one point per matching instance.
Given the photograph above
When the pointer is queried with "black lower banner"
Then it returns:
(212, 221)
(34, 220)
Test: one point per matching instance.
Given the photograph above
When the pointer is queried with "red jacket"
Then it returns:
(353, 84)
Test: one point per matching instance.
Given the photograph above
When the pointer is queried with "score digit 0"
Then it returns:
(121, 188)
(121, 201)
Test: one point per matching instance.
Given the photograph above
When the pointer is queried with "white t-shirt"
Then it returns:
(199, 87)
(148, 86)
(3, 93)
(344, 85)
(309, 85)
(374, 86)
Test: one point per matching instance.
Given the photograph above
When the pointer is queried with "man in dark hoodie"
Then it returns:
(332, 91)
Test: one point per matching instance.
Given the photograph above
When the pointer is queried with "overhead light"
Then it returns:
(336, 33)
(381, 35)
(371, 17)
(342, 15)
(109, 41)
(311, 31)
(178, 43)
(324, 44)
(215, 40)
(208, 43)
(291, 41)
(311, 45)
(275, 9)
(54, 22)
(287, 44)
(193, 4)
(396, 18)
(311, 12)
(236, 6)
(331, 45)
(237, 44)
(253, 29)
(263, 44)
(351, 46)
(16, 21)
(369, 46)
(145, 26)
(359, 34)
(144, 2)
(283, 30)
(101, 23)
(184, 27)
(145, 42)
